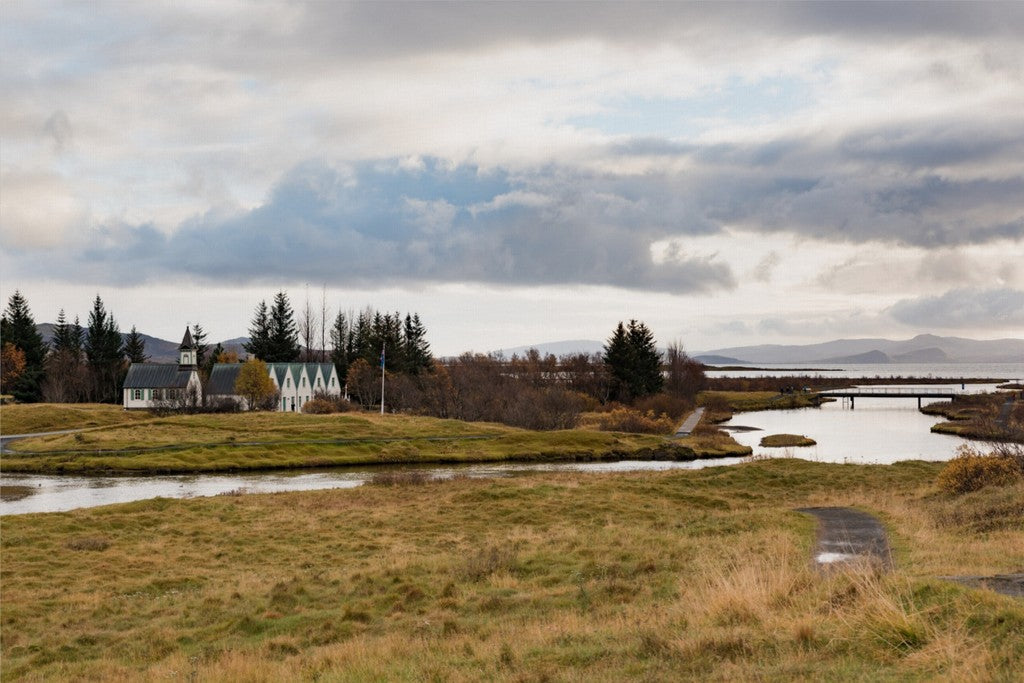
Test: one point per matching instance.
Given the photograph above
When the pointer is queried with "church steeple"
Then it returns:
(187, 351)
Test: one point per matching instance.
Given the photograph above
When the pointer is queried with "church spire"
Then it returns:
(187, 351)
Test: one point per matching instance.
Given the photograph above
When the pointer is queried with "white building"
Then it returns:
(296, 383)
(151, 385)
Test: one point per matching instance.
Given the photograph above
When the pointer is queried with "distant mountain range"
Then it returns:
(924, 348)
(159, 350)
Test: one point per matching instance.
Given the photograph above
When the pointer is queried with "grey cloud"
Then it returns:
(963, 309)
(58, 127)
(379, 223)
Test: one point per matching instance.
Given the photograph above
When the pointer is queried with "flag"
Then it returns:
(382, 357)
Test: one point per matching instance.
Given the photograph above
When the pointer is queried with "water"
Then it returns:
(878, 430)
(23, 493)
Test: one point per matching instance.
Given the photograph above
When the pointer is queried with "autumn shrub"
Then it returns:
(318, 406)
(629, 420)
(972, 470)
(665, 404)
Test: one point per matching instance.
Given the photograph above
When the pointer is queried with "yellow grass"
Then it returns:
(642, 576)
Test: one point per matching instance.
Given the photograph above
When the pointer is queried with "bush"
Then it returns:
(628, 420)
(971, 471)
(318, 406)
(665, 404)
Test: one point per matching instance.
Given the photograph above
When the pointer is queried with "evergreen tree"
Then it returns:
(199, 339)
(284, 334)
(258, 345)
(212, 360)
(135, 347)
(633, 361)
(18, 328)
(646, 360)
(66, 377)
(340, 342)
(416, 349)
(63, 335)
(104, 350)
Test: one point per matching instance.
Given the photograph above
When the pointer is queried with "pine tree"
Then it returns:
(634, 361)
(340, 341)
(284, 335)
(135, 347)
(18, 328)
(212, 360)
(63, 335)
(416, 349)
(105, 352)
(258, 345)
(646, 360)
(199, 339)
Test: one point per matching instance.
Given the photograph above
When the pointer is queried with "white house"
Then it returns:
(149, 385)
(296, 383)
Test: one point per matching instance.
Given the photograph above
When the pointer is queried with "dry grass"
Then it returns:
(31, 418)
(786, 440)
(649, 576)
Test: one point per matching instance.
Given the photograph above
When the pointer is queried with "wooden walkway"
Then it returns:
(690, 423)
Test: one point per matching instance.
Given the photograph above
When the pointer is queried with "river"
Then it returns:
(877, 431)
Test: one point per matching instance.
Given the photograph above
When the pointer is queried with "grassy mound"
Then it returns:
(786, 440)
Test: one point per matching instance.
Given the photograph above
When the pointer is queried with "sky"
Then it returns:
(520, 173)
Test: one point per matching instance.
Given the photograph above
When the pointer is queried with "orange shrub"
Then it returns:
(971, 471)
(627, 420)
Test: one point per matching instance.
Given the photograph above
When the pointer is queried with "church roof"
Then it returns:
(186, 341)
(223, 378)
(156, 376)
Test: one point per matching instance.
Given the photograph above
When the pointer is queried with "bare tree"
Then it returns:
(324, 313)
(307, 328)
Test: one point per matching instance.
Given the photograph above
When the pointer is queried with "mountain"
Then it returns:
(158, 350)
(924, 348)
(874, 357)
(719, 360)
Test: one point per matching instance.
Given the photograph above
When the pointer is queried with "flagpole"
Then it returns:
(382, 349)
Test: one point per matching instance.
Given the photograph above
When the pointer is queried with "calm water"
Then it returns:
(878, 430)
(60, 493)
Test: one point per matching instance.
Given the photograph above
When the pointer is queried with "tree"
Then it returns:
(254, 384)
(18, 328)
(66, 377)
(633, 361)
(340, 340)
(207, 367)
(363, 382)
(685, 376)
(416, 350)
(259, 334)
(199, 339)
(135, 347)
(284, 336)
(12, 365)
(307, 330)
(105, 353)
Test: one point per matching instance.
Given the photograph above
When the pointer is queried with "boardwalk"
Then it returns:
(690, 423)
(891, 392)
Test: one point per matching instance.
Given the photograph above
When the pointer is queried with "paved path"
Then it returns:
(847, 536)
(5, 439)
(1007, 584)
(690, 423)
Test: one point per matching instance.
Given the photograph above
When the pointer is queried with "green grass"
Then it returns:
(249, 441)
(30, 418)
(641, 576)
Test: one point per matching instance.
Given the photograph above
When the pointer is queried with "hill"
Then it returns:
(158, 350)
(924, 348)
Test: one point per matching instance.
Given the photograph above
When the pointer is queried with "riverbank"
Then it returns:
(613, 577)
(263, 441)
(721, 405)
(985, 417)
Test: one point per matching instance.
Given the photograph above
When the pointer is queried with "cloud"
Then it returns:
(963, 309)
(385, 222)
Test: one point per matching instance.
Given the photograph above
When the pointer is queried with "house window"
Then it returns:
(319, 382)
(288, 382)
(303, 381)
(137, 394)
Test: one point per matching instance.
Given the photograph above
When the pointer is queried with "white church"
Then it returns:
(151, 385)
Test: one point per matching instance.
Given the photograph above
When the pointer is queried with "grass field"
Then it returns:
(245, 441)
(721, 405)
(30, 418)
(642, 576)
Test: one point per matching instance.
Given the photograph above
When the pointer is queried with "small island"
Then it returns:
(784, 440)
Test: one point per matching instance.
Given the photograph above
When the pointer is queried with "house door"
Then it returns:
(293, 404)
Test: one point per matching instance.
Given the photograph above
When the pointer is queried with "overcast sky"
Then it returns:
(520, 173)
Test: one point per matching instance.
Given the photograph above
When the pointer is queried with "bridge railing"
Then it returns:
(894, 391)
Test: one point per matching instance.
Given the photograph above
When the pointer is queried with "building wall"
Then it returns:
(146, 400)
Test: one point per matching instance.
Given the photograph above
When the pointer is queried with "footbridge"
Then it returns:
(891, 392)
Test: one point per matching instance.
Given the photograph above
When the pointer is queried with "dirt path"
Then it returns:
(847, 536)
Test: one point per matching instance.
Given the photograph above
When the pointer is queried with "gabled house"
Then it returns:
(152, 385)
(296, 383)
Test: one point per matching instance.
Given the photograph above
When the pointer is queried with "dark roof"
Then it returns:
(186, 341)
(223, 378)
(156, 376)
